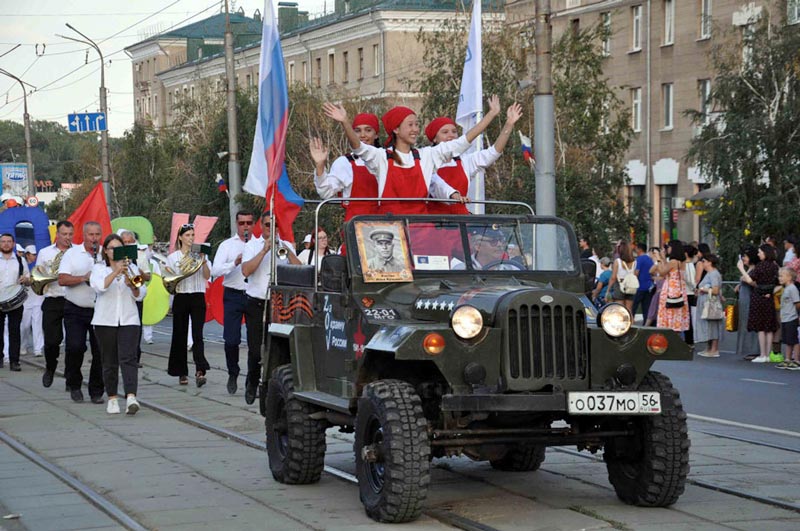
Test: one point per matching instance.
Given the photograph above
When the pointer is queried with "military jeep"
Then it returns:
(470, 335)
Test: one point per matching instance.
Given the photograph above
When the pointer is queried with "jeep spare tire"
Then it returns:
(650, 470)
(392, 451)
(295, 441)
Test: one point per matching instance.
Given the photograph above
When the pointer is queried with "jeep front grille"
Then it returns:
(545, 343)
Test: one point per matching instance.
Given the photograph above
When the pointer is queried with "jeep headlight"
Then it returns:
(615, 320)
(467, 322)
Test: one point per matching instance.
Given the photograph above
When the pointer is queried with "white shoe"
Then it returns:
(38, 354)
(707, 354)
(133, 406)
(760, 359)
(148, 341)
(113, 406)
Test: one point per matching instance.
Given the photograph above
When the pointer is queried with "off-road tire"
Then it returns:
(295, 442)
(654, 473)
(521, 458)
(394, 488)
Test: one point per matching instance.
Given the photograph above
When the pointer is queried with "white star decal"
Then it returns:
(427, 304)
(419, 305)
(435, 305)
(450, 306)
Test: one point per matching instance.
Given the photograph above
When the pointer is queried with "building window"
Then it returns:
(331, 69)
(346, 67)
(376, 60)
(305, 72)
(573, 3)
(138, 107)
(704, 89)
(636, 109)
(191, 92)
(575, 26)
(346, 6)
(605, 19)
(793, 11)
(319, 72)
(291, 74)
(669, 21)
(667, 99)
(636, 28)
(360, 64)
(249, 80)
(705, 19)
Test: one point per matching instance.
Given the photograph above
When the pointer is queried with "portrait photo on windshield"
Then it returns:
(383, 250)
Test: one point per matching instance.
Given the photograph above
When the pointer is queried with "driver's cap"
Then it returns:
(381, 235)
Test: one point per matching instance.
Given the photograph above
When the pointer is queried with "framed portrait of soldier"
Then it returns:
(383, 250)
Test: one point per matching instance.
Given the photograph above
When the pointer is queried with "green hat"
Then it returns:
(381, 234)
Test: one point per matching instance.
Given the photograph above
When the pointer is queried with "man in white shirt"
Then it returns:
(788, 245)
(73, 273)
(228, 264)
(13, 274)
(49, 260)
(256, 267)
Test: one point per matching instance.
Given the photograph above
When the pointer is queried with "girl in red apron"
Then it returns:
(459, 172)
(348, 176)
(401, 170)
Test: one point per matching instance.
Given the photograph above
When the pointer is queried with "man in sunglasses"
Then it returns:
(228, 264)
(488, 245)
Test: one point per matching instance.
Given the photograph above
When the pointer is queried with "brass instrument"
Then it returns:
(283, 253)
(41, 276)
(188, 265)
(136, 279)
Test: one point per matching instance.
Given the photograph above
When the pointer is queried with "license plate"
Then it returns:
(621, 403)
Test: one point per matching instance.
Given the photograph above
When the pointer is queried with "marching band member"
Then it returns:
(129, 238)
(228, 264)
(12, 273)
(117, 324)
(460, 171)
(31, 328)
(73, 273)
(53, 305)
(348, 175)
(189, 301)
(402, 170)
(256, 262)
(155, 269)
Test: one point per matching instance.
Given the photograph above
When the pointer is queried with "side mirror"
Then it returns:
(589, 269)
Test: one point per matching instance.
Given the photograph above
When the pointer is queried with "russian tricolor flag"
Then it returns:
(267, 173)
(220, 182)
(527, 149)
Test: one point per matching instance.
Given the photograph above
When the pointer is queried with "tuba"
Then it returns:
(187, 266)
(41, 276)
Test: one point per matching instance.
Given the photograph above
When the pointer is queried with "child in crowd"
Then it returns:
(790, 304)
(601, 286)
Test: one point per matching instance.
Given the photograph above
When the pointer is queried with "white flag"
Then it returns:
(470, 99)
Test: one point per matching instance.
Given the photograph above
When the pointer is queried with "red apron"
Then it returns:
(364, 185)
(404, 182)
(457, 178)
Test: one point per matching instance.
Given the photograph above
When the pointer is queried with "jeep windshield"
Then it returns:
(391, 250)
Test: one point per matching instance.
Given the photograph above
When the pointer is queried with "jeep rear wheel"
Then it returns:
(295, 441)
(521, 458)
(392, 451)
(651, 470)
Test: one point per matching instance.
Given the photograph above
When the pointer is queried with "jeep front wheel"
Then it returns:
(295, 441)
(650, 470)
(521, 458)
(392, 451)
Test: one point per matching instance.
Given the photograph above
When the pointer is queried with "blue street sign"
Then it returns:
(86, 122)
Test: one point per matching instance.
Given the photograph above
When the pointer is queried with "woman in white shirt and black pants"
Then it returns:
(116, 324)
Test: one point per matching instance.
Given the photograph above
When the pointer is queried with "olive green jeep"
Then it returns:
(464, 335)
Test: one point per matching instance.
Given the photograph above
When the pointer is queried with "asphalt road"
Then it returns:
(733, 389)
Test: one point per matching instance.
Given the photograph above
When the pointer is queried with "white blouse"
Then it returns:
(115, 304)
(196, 283)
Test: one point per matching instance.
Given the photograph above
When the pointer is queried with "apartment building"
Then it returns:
(366, 48)
(658, 56)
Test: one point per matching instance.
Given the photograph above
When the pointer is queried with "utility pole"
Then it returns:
(234, 166)
(103, 109)
(27, 121)
(544, 114)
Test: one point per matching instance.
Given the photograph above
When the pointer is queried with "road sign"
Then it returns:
(32, 201)
(87, 122)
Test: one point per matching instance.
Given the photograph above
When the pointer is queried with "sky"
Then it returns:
(58, 68)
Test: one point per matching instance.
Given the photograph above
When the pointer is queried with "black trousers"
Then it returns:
(78, 323)
(185, 305)
(14, 320)
(118, 349)
(140, 307)
(256, 324)
(234, 303)
(52, 328)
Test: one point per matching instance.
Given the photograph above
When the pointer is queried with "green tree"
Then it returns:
(749, 134)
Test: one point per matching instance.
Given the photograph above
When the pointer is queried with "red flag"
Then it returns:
(93, 208)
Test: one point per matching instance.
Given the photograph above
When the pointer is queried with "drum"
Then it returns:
(12, 297)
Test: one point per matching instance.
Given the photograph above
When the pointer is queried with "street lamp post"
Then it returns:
(27, 121)
(234, 165)
(103, 109)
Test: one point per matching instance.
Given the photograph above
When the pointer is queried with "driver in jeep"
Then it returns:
(488, 247)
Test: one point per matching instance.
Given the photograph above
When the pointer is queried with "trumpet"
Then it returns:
(283, 253)
(136, 279)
